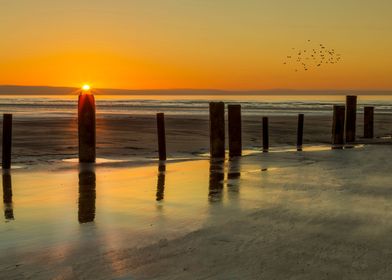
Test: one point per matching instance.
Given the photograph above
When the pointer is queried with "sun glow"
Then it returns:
(86, 87)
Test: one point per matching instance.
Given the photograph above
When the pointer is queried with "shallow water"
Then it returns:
(289, 211)
(115, 205)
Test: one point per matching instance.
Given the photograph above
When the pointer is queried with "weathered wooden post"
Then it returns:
(265, 135)
(161, 136)
(7, 141)
(217, 130)
(338, 127)
(235, 138)
(368, 122)
(86, 127)
(351, 117)
(300, 132)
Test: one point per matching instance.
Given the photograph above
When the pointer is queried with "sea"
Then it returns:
(65, 105)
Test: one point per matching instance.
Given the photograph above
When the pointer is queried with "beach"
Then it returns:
(315, 214)
(167, 139)
(45, 127)
(134, 138)
(321, 214)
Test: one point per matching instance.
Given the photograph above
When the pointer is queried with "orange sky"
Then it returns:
(222, 44)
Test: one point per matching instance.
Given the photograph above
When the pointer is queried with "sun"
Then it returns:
(86, 87)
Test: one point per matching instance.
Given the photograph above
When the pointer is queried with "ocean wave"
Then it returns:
(262, 105)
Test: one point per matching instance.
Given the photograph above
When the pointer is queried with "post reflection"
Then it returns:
(233, 175)
(234, 169)
(7, 196)
(217, 175)
(87, 193)
(161, 181)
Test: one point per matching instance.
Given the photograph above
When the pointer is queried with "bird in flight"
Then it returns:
(313, 56)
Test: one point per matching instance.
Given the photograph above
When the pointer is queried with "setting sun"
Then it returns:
(86, 87)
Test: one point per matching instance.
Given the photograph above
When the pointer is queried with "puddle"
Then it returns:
(18, 167)
(98, 160)
(131, 160)
(45, 209)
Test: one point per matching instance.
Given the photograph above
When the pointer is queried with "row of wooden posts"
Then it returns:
(344, 122)
(343, 129)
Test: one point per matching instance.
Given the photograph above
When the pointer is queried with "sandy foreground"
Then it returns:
(317, 214)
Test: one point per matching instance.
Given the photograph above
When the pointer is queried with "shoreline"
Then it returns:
(129, 137)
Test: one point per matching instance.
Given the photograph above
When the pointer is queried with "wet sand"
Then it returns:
(42, 140)
(292, 215)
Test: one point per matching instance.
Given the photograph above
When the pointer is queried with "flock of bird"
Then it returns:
(311, 57)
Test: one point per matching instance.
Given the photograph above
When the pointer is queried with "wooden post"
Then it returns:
(7, 141)
(338, 127)
(235, 138)
(368, 122)
(351, 116)
(86, 126)
(300, 132)
(161, 136)
(265, 135)
(217, 130)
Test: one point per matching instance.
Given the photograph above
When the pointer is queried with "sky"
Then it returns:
(198, 44)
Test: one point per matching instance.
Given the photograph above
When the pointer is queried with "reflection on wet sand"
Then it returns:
(161, 182)
(233, 175)
(7, 196)
(217, 176)
(87, 194)
(234, 171)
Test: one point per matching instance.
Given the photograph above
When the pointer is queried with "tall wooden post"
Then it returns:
(161, 136)
(235, 138)
(7, 141)
(217, 129)
(300, 132)
(338, 127)
(86, 125)
(368, 122)
(265, 135)
(351, 116)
